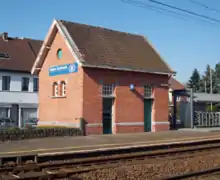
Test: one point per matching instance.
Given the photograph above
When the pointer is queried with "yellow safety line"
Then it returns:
(107, 145)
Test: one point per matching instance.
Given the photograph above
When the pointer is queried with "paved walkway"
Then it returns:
(213, 129)
(63, 144)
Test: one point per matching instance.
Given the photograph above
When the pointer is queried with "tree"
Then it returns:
(217, 70)
(194, 81)
(217, 77)
(206, 81)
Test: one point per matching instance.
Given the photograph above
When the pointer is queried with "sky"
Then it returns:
(185, 42)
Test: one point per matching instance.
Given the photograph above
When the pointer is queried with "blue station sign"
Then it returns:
(63, 69)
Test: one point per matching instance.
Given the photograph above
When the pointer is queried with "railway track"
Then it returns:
(61, 169)
(201, 175)
(20, 160)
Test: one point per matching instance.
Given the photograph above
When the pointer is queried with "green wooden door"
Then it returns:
(107, 115)
(147, 114)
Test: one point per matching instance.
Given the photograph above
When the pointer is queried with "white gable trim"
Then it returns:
(43, 46)
(68, 40)
(64, 33)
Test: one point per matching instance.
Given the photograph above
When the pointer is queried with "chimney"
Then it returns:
(5, 36)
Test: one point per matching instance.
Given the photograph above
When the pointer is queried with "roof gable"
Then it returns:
(103, 48)
(55, 27)
(34, 45)
(175, 85)
(21, 55)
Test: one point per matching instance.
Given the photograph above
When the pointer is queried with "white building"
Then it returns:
(18, 88)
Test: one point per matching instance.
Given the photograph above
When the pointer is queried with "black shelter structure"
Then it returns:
(181, 93)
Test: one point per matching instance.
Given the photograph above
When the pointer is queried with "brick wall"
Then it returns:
(128, 105)
(83, 95)
(63, 110)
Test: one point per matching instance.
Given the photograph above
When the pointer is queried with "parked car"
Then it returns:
(31, 123)
(6, 123)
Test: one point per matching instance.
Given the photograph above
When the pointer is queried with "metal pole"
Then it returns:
(210, 69)
(191, 108)
(205, 88)
(174, 112)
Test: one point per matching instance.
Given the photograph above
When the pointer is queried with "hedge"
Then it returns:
(16, 134)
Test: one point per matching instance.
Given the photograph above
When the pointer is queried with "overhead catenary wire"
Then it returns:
(154, 8)
(204, 6)
(185, 11)
(182, 15)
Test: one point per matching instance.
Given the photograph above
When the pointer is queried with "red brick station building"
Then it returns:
(115, 81)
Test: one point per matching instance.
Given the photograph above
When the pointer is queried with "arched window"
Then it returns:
(59, 53)
(63, 88)
(55, 89)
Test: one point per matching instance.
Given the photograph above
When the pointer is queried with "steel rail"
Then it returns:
(79, 166)
(153, 154)
(137, 155)
(193, 174)
(21, 160)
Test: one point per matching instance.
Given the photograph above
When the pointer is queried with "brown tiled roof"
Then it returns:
(104, 47)
(22, 53)
(35, 45)
(175, 85)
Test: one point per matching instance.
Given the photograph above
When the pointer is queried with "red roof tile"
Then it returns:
(105, 47)
(175, 85)
(22, 53)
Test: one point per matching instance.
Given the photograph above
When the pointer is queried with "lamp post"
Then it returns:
(210, 69)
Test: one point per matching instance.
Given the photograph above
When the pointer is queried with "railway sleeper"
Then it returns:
(71, 170)
(124, 157)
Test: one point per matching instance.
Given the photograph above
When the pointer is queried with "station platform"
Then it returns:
(213, 129)
(54, 145)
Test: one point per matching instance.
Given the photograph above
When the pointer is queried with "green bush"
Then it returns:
(213, 109)
(15, 134)
(50, 127)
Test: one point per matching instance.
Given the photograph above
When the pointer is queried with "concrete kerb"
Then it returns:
(105, 147)
(128, 147)
(18, 158)
(35, 156)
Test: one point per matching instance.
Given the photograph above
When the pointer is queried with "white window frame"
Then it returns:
(148, 91)
(108, 90)
(63, 88)
(35, 84)
(23, 85)
(55, 89)
(6, 83)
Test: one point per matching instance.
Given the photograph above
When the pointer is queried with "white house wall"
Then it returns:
(15, 95)
(18, 97)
